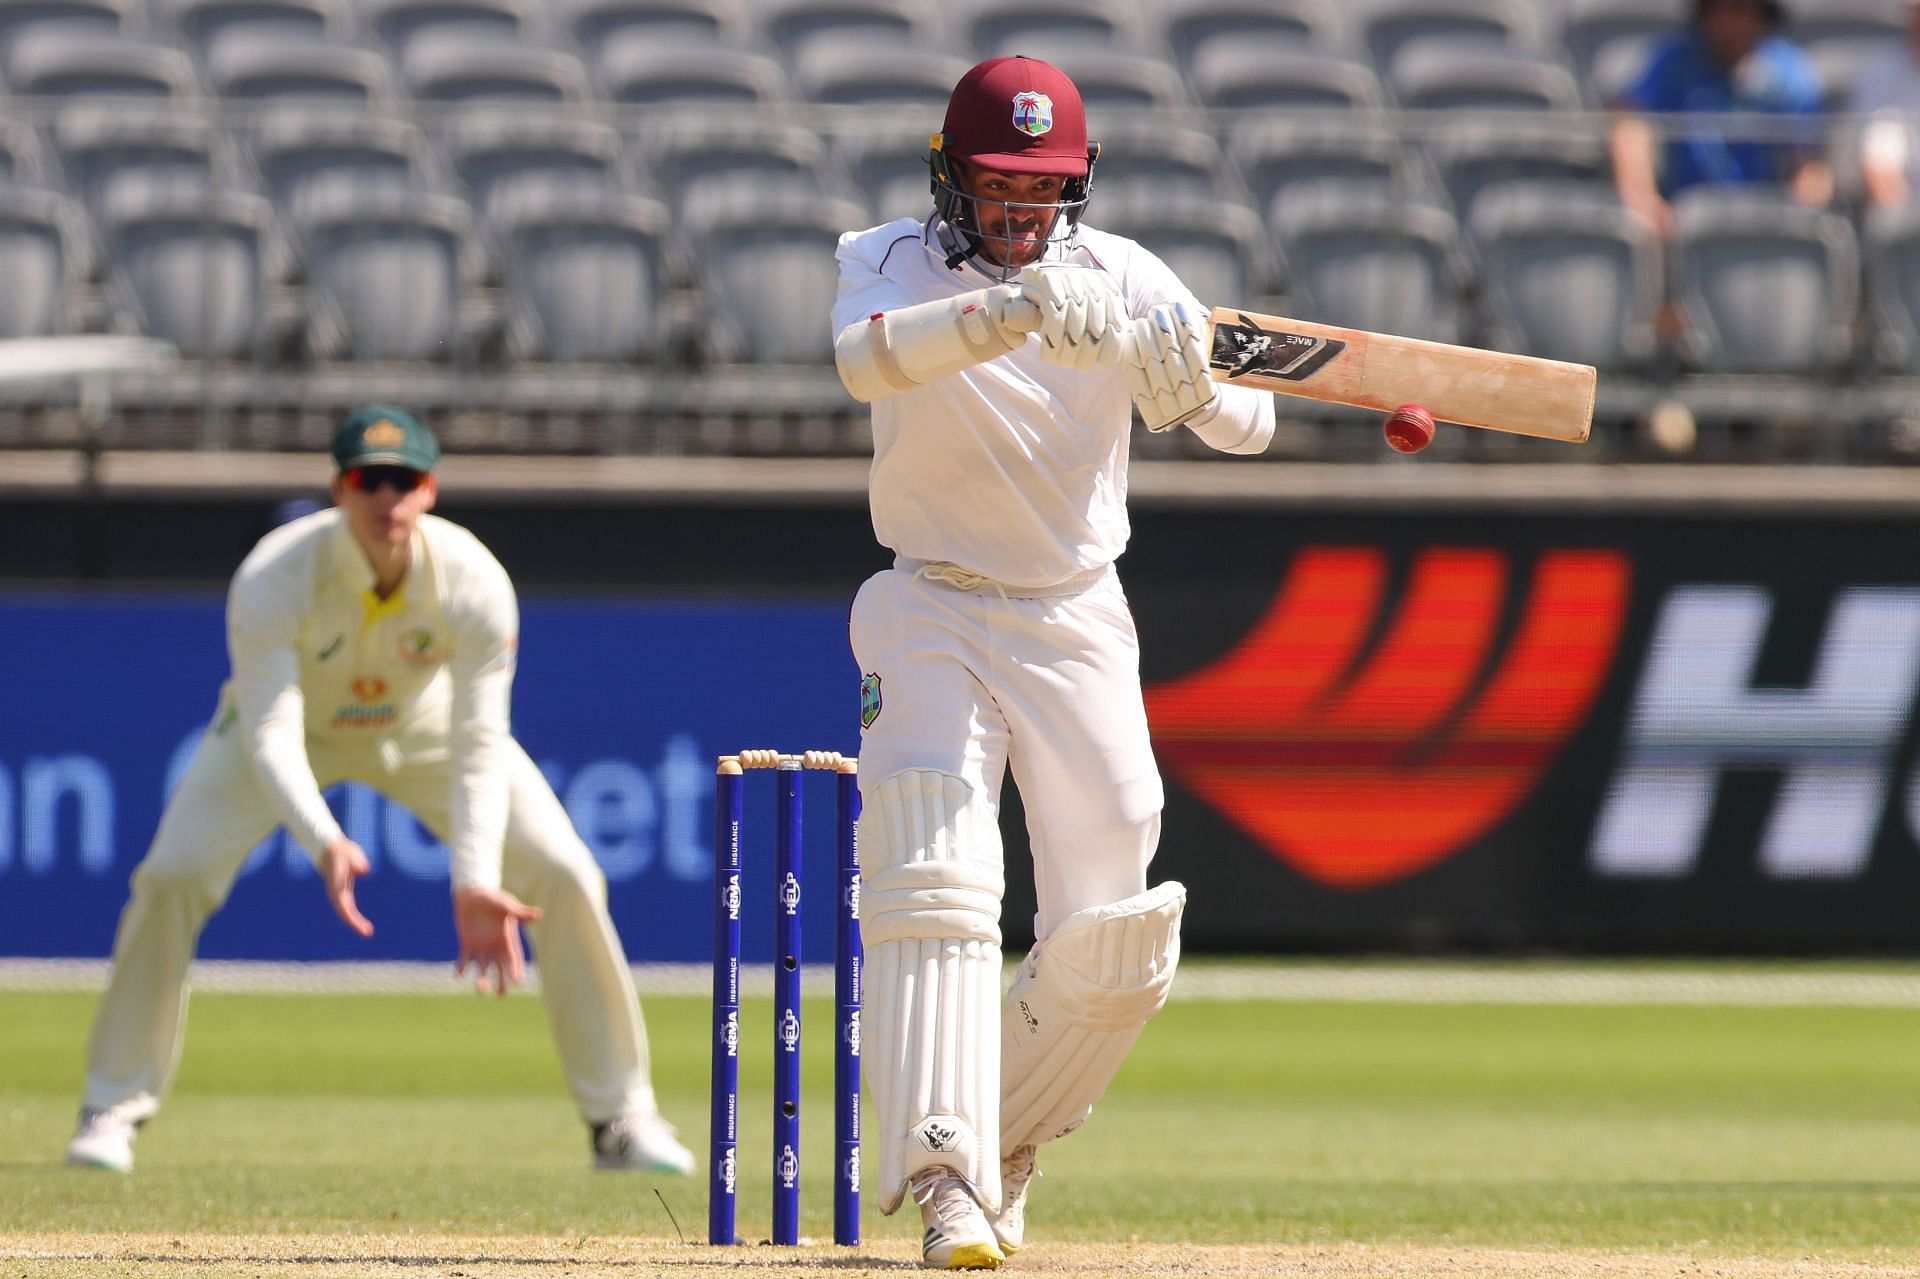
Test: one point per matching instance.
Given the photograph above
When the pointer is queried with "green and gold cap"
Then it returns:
(380, 435)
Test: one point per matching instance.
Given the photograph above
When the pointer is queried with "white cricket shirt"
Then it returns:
(425, 674)
(1014, 468)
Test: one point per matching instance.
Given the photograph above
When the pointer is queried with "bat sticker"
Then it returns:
(1239, 349)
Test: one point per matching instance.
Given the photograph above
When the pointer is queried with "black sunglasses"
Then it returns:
(371, 479)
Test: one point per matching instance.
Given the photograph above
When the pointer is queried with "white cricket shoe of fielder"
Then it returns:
(1017, 1171)
(104, 1140)
(640, 1143)
(958, 1236)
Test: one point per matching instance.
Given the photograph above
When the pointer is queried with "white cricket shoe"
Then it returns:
(958, 1236)
(643, 1143)
(1017, 1172)
(104, 1140)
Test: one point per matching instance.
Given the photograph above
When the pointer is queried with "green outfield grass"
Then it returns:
(1777, 1131)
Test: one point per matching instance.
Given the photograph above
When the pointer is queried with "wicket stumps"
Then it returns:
(729, 789)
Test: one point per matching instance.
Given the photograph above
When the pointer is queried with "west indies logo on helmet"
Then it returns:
(1021, 117)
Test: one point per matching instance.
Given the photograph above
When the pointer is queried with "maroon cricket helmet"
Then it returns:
(1018, 115)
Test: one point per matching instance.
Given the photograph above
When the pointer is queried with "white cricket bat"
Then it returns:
(1519, 394)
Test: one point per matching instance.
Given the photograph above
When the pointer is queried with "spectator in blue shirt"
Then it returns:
(1731, 60)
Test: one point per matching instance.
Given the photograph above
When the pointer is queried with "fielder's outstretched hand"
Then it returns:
(342, 862)
(488, 921)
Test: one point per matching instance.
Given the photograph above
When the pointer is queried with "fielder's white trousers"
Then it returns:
(974, 681)
(217, 816)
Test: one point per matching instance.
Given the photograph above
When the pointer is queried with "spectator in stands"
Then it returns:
(1887, 98)
(1731, 60)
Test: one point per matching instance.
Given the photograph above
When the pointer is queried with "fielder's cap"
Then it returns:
(380, 435)
(1018, 115)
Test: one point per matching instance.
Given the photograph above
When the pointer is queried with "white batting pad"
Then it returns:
(931, 883)
(1077, 1007)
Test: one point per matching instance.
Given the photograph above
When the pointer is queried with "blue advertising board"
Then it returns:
(624, 706)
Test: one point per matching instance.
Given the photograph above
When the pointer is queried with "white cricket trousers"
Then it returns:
(1049, 683)
(219, 813)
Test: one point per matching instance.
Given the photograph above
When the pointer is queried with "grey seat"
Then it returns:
(589, 22)
(992, 28)
(190, 265)
(1589, 27)
(24, 160)
(269, 65)
(1388, 26)
(98, 141)
(888, 166)
(1276, 74)
(1893, 281)
(1113, 79)
(640, 69)
(1218, 248)
(1569, 275)
(1476, 155)
(399, 22)
(1768, 285)
(692, 154)
(1275, 155)
(81, 62)
(1444, 74)
(1367, 261)
(1185, 27)
(386, 271)
(458, 67)
(768, 275)
(43, 259)
(497, 154)
(1148, 154)
(199, 23)
(586, 272)
(879, 74)
(299, 155)
(790, 26)
(99, 17)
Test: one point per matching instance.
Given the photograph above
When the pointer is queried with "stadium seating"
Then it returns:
(42, 259)
(1185, 27)
(441, 182)
(1275, 75)
(588, 22)
(202, 22)
(1362, 259)
(387, 272)
(1570, 275)
(1768, 285)
(1892, 246)
(190, 264)
(640, 69)
(586, 270)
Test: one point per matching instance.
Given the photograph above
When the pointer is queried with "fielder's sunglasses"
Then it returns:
(371, 479)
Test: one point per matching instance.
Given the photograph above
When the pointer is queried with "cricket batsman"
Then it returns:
(375, 642)
(1003, 345)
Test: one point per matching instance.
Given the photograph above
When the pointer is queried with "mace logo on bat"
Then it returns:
(1247, 347)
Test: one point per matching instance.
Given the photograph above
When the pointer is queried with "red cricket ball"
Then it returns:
(1409, 429)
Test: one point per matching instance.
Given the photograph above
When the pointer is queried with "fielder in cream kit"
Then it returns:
(376, 643)
(1003, 346)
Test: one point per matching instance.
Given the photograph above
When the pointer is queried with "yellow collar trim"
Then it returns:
(376, 608)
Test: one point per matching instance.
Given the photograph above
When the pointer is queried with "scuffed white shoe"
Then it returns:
(958, 1236)
(1017, 1172)
(103, 1140)
(642, 1143)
